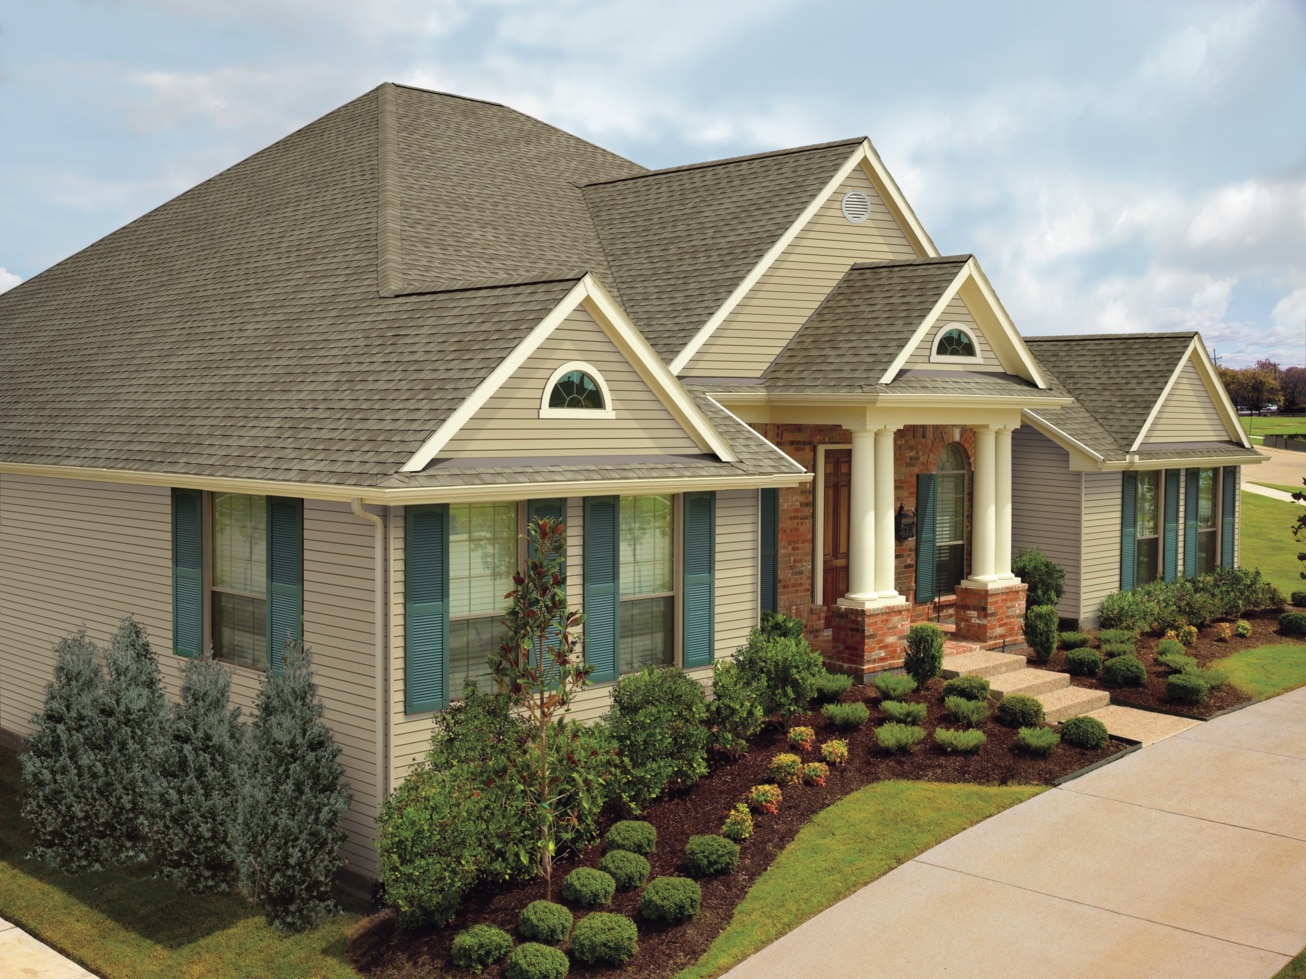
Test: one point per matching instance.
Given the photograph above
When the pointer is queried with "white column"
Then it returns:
(861, 523)
(983, 532)
(885, 539)
(1002, 532)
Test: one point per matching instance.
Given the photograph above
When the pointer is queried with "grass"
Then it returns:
(1281, 488)
(1296, 969)
(844, 847)
(1266, 671)
(1267, 541)
(1258, 426)
(124, 923)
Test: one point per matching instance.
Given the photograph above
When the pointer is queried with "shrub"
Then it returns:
(1122, 637)
(1110, 650)
(604, 938)
(1124, 610)
(959, 742)
(778, 625)
(784, 671)
(1020, 710)
(899, 737)
(972, 713)
(894, 686)
(535, 961)
(628, 870)
(802, 738)
(588, 888)
(634, 835)
(786, 768)
(658, 720)
(671, 900)
(1037, 740)
(739, 824)
(1073, 640)
(480, 946)
(1293, 623)
(1238, 589)
(1299, 599)
(832, 686)
(835, 751)
(847, 717)
(1242, 628)
(1041, 630)
(816, 772)
(1169, 647)
(1045, 578)
(924, 657)
(735, 712)
(1177, 662)
(1186, 688)
(547, 922)
(1125, 671)
(1188, 635)
(970, 687)
(1083, 662)
(1215, 679)
(764, 798)
(902, 712)
(1084, 732)
(708, 856)
(1224, 632)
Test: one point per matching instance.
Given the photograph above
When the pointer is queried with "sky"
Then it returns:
(1115, 166)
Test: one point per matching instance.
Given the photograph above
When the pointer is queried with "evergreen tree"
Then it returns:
(200, 769)
(291, 799)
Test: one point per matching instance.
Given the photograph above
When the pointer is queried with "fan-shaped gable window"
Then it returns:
(954, 344)
(576, 390)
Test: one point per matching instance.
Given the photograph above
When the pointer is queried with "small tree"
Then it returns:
(784, 670)
(291, 799)
(1041, 630)
(1045, 578)
(924, 657)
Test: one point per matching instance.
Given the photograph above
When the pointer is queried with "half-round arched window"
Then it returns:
(954, 343)
(576, 390)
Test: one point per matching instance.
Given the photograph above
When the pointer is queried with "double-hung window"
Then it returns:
(647, 576)
(1208, 531)
(482, 559)
(1147, 524)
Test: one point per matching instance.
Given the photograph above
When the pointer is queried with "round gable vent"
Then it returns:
(856, 206)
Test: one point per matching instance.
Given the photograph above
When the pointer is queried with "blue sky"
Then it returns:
(1114, 165)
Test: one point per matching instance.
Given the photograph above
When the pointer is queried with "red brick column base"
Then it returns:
(991, 614)
(867, 640)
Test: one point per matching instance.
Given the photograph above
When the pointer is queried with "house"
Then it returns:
(321, 394)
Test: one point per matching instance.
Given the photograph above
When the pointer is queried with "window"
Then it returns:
(238, 576)
(1208, 535)
(576, 390)
(954, 343)
(950, 521)
(482, 560)
(647, 576)
(1147, 524)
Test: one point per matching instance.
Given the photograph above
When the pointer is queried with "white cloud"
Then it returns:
(8, 280)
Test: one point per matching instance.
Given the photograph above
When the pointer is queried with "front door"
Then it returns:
(838, 489)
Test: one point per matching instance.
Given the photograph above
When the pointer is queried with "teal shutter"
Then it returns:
(697, 593)
(548, 510)
(926, 536)
(1128, 530)
(1228, 511)
(768, 567)
(1171, 544)
(426, 608)
(187, 573)
(1190, 524)
(285, 614)
(602, 585)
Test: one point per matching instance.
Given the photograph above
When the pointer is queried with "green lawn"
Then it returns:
(1266, 671)
(123, 923)
(1280, 487)
(1259, 425)
(1267, 541)
(844, 847)
(1296, 969)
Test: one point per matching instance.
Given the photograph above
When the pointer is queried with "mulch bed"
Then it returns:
(381, 950)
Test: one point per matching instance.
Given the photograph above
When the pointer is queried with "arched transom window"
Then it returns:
(954, 344)
(576, 390)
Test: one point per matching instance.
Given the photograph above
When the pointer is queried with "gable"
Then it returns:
(1187, 413)
(956, 313)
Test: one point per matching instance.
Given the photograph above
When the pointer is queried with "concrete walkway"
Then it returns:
(1284, 468)
(22, 955)
(1185, 859)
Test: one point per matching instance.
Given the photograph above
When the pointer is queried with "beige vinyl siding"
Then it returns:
(1188, 414)
(736, 584)
(410, 734)
(1046, 509)
(954, 314)
(509, 425)
(1101, 543)
(799, 280)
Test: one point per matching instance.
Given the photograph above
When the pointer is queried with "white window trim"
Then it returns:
(938, 358)
(607, 412)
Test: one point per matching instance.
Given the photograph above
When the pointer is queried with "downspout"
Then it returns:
(379, 672)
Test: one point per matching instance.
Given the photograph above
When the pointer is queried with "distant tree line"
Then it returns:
(1266, 385)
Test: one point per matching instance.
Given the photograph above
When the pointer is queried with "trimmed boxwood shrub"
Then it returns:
(1125, 671)
(707, 856)
(972, 713)
(629, 870)
(535, 961)
(603, 937)
(847, 717)
(902, 712)
(1037, 740)
(1299, 599)
(1083, 662)
(1041, 630)
(832, 686)
(970, 687)
(1177, 662)
(544, 921)
(899, 737)
(634, 835)
(479, 947)
(959, 742)
(671, 900)
(1186, 688)
(924, 658)
(588, 888)
(1127, 637)
(894, 686)
(1074, 640)
(1084, 732)
(1293, 623)
(1168, 647)
(1112, 650)
(1020, 710)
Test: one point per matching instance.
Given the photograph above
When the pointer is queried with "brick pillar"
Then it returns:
(867, 640)
(991, 614)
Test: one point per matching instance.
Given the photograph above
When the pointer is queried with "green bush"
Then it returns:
(1041, 630)
(1177, 662)
(629, 870)
(1083, 662)
(783, 670)
(1037, 740)
(670, 900)
(846, 716)
(734, 714)
(1110, 650)
(972, 713)
(1084, 732)
(1073, 640)
(1124, 610)
(924, 658)
(894, 686)
(604, 938)
(480, 946)
(658, 721)
(902, 712)
(535, 961)
(1020, 710)
(802, 737)
(1125, 671)
(588, 888)
(1169, 647)
(1045, 578)
(1186, 688)
(899, 737)
(1242, 629)
(707, 856)
(1121, 637)
(832, 686)
(547, 922)
(1293, 623)
(1215, 679)
(786, 768)
(970, 687)
(1299, 599)
(959, 742)
(739, 824)
(835, 751)
(634, 835)
(778, 625)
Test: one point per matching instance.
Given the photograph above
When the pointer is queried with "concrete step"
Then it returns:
(1142, 725)
(981, 662)
(1033, 683)
(1058, 705)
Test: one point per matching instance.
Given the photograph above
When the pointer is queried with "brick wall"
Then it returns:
(991, 614)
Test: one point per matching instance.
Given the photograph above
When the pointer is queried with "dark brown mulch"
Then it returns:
(380, 950)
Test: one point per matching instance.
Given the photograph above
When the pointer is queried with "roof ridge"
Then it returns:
(510, 283)
(1156, 335)
(726, 161)
(448, 95)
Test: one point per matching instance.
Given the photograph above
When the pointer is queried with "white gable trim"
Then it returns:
(1211, 381)
(865, 157)
(1067, 442)
(608, 410)
(927, 324)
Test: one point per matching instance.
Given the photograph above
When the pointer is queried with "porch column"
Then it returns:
(985, 536)
(1002, 532)
(861, 523)
(885, 539)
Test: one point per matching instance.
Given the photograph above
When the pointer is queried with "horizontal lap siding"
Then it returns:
(1101, 547)
(1188, 414)
(799, 280)
(410, 735)
(736, 569)
(954, 313)
(1046, 509)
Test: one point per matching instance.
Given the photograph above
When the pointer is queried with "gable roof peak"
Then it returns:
(729, 160)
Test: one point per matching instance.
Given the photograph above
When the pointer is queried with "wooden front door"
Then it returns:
(838, 487)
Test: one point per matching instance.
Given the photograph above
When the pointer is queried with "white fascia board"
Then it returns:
(1215, 387)
(890, 191)
(1067, 442)
(1008, 328)
(789, 460)
(926, 325)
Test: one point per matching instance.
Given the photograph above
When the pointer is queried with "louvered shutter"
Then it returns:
(697, 594)
(285, 613)
(426, 608)
(602, 586)
(768, 577)
(1191, 504)
(1171, 524)
(1228, 508)
(1128, 530)
(187, 572)
(926, 536)
(548, 510)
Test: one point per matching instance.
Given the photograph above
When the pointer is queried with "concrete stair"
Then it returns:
(966, 659)
(1031, 682)
(1008, 673)
(1060, 705)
